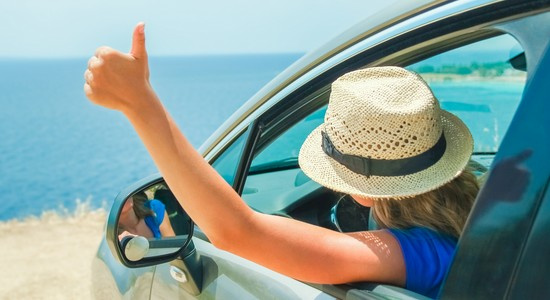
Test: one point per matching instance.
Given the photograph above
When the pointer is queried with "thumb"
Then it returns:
(138, 42)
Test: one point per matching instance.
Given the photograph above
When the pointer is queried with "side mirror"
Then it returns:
(147, 226)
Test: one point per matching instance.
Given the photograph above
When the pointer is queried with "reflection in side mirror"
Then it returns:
(144, 216)
(148, 226)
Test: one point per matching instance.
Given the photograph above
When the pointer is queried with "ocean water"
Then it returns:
(56, 147)
(486, 107)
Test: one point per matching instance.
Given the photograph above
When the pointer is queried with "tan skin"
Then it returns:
(303, 251)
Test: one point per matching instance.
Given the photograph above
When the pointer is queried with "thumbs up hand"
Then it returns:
(119, 80)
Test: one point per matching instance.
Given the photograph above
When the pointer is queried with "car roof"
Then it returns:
(370, 26)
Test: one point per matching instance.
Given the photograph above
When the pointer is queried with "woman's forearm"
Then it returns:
(207, 198)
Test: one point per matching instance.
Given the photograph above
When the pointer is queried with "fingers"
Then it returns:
(89, 79)
(88, 90)
(90, 93)
(93, 62)
(88, 76)
(138, 42)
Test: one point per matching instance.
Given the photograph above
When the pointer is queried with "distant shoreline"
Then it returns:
(448, 77)
(51, 256)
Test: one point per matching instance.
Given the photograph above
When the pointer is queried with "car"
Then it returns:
(487, 62)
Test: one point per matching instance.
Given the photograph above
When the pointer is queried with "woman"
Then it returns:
(385, 141)
(144, 217)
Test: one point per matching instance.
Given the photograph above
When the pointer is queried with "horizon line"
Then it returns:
(8, 57)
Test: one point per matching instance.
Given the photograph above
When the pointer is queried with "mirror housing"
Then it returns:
(134, 250)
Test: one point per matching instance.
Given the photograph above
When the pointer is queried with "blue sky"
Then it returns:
(75, 28)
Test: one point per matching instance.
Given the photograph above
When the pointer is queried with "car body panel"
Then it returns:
(112, 280)
(227, 276)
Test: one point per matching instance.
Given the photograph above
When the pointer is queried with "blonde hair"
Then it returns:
(444, 209)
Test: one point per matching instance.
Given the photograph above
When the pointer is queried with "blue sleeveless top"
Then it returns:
(153, 222)
(427, 255)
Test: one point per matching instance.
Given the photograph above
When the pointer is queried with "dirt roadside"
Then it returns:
(49, 257)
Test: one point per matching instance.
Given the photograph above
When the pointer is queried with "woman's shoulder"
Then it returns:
(427, 255)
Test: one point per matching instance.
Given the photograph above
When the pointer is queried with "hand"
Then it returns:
(125, 234)
(119, 80)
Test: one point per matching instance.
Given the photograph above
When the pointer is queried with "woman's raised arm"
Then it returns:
(121, 81)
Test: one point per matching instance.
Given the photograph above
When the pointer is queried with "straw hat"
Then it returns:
(385, 136)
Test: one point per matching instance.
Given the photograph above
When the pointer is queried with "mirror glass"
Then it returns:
(152, 223)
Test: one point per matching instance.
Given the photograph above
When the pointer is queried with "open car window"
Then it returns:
(476, 82)
(283, 151)
(275, 180)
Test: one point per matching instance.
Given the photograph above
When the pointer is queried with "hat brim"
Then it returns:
(333, 175)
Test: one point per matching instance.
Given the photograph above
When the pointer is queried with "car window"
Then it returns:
(478, 83)
(274, 180)
(285, 148)
(227, 162)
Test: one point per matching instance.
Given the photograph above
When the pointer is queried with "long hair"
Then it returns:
(140, 209)
(444, 209)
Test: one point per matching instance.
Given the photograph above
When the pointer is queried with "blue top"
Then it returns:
(153, 222)
(427, 256)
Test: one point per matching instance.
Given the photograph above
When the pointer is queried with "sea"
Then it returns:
(58, 150)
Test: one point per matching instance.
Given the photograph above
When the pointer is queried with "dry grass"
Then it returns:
(50, 257)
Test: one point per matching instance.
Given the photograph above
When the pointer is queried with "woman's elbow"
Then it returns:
(227, 241)
(232, 236)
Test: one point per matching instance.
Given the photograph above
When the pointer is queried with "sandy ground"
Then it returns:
(50, 257)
